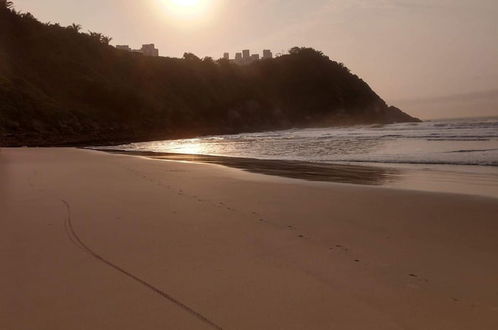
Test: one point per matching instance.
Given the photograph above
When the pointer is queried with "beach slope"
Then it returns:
(91, 240)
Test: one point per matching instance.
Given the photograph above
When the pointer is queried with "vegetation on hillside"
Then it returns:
(61, 86)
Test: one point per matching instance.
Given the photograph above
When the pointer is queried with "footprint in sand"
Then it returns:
(345, 249)
(418, 278)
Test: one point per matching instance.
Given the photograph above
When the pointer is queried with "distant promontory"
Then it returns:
(59, 86)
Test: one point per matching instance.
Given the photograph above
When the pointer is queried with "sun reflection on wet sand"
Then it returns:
(190, 147)
(340, 173)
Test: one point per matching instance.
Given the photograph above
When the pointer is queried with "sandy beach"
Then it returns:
(92, 240)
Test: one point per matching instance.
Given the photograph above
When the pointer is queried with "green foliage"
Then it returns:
(60, 87)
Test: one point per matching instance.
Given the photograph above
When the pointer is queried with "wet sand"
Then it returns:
(469, 180)
(92, 240)
(365, 175)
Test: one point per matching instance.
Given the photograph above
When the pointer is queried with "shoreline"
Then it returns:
(338, 173)
(241, 250)
(415, 177)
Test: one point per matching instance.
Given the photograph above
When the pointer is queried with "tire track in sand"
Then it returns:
(76, 240)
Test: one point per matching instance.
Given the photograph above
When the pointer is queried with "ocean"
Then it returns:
(458, 155)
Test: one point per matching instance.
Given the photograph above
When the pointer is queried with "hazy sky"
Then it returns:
(406, 50)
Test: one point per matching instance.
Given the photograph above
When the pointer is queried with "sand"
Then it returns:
(91, 240)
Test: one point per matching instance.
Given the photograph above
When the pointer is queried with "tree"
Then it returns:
(105, 40)
(100, 37)
(75, 27)
(28, 16)
(191, 57)
(95, 35)
(6, 4)
(208, 59)
(306, 51)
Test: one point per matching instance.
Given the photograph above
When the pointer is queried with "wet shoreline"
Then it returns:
(338, 173)
(466, 180)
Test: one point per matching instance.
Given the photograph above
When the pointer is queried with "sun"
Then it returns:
(185, 3)
(186, 9)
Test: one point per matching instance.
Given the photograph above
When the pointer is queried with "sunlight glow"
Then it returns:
(186, 3)
(186, 9)
(187, 147)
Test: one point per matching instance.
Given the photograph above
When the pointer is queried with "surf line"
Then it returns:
(76, 240)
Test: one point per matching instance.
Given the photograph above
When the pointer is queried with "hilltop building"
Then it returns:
(267, 54)
(245, 57)
(150, 50)
(124, 47)
(147, 50)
